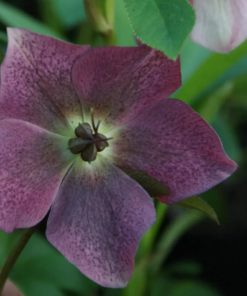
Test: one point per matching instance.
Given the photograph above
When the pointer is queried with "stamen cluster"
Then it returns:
(88, 142)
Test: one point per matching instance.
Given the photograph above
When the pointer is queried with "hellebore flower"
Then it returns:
(70, 115)
(221, 25)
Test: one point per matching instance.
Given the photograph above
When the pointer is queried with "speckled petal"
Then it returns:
(221, 25)
(97, 220)
(35, 81)
(173, 144)
(33, 163)
(120, 82)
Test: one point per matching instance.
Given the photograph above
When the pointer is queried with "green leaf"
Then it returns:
(192, 56)
(162, 24)
(185, 267)
(40, 264)
(239, 91)
(13, 17)
(161, 282)
(3, 41)
(70, 12)
(1, 57)
(233, 73)
(229, 138)
(153, 187)
(209, 108)
(214, 67)
(122, 26)
(3, 37)
(39, 288)
(196, 203)
(180, 287)
(215, 197)
(193, 288)
(49, 15)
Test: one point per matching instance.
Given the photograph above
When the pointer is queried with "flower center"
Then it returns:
(89, 141)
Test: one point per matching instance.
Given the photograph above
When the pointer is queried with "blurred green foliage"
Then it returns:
(213, 84)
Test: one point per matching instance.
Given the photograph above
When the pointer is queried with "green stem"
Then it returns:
(109, 12)
(170, 237)
(137, 285)
(111, 39)
(13, 256)
(103, 25)
(110, 17)
(147, 242)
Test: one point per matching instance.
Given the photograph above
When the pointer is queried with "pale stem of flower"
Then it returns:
(102, 24)
(13, 256)
(110, 11)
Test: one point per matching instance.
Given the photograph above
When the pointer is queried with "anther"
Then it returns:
(84, 131)
(89, 153)
(89, 141)
(76, 145)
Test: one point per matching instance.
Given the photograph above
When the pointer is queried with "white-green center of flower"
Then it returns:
(88, 141)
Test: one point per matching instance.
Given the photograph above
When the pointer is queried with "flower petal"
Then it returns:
(173, 144)
(35, 80)
(33, 163)
(121, 82)
(97, 220)
(10, 289)
(220, 25)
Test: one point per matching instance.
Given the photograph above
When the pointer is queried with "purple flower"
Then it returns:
(55, 153)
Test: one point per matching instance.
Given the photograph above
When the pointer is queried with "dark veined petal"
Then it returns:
(120, 82)
(35, 81)
(33, 163)
(97, 220)
(173, 144)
